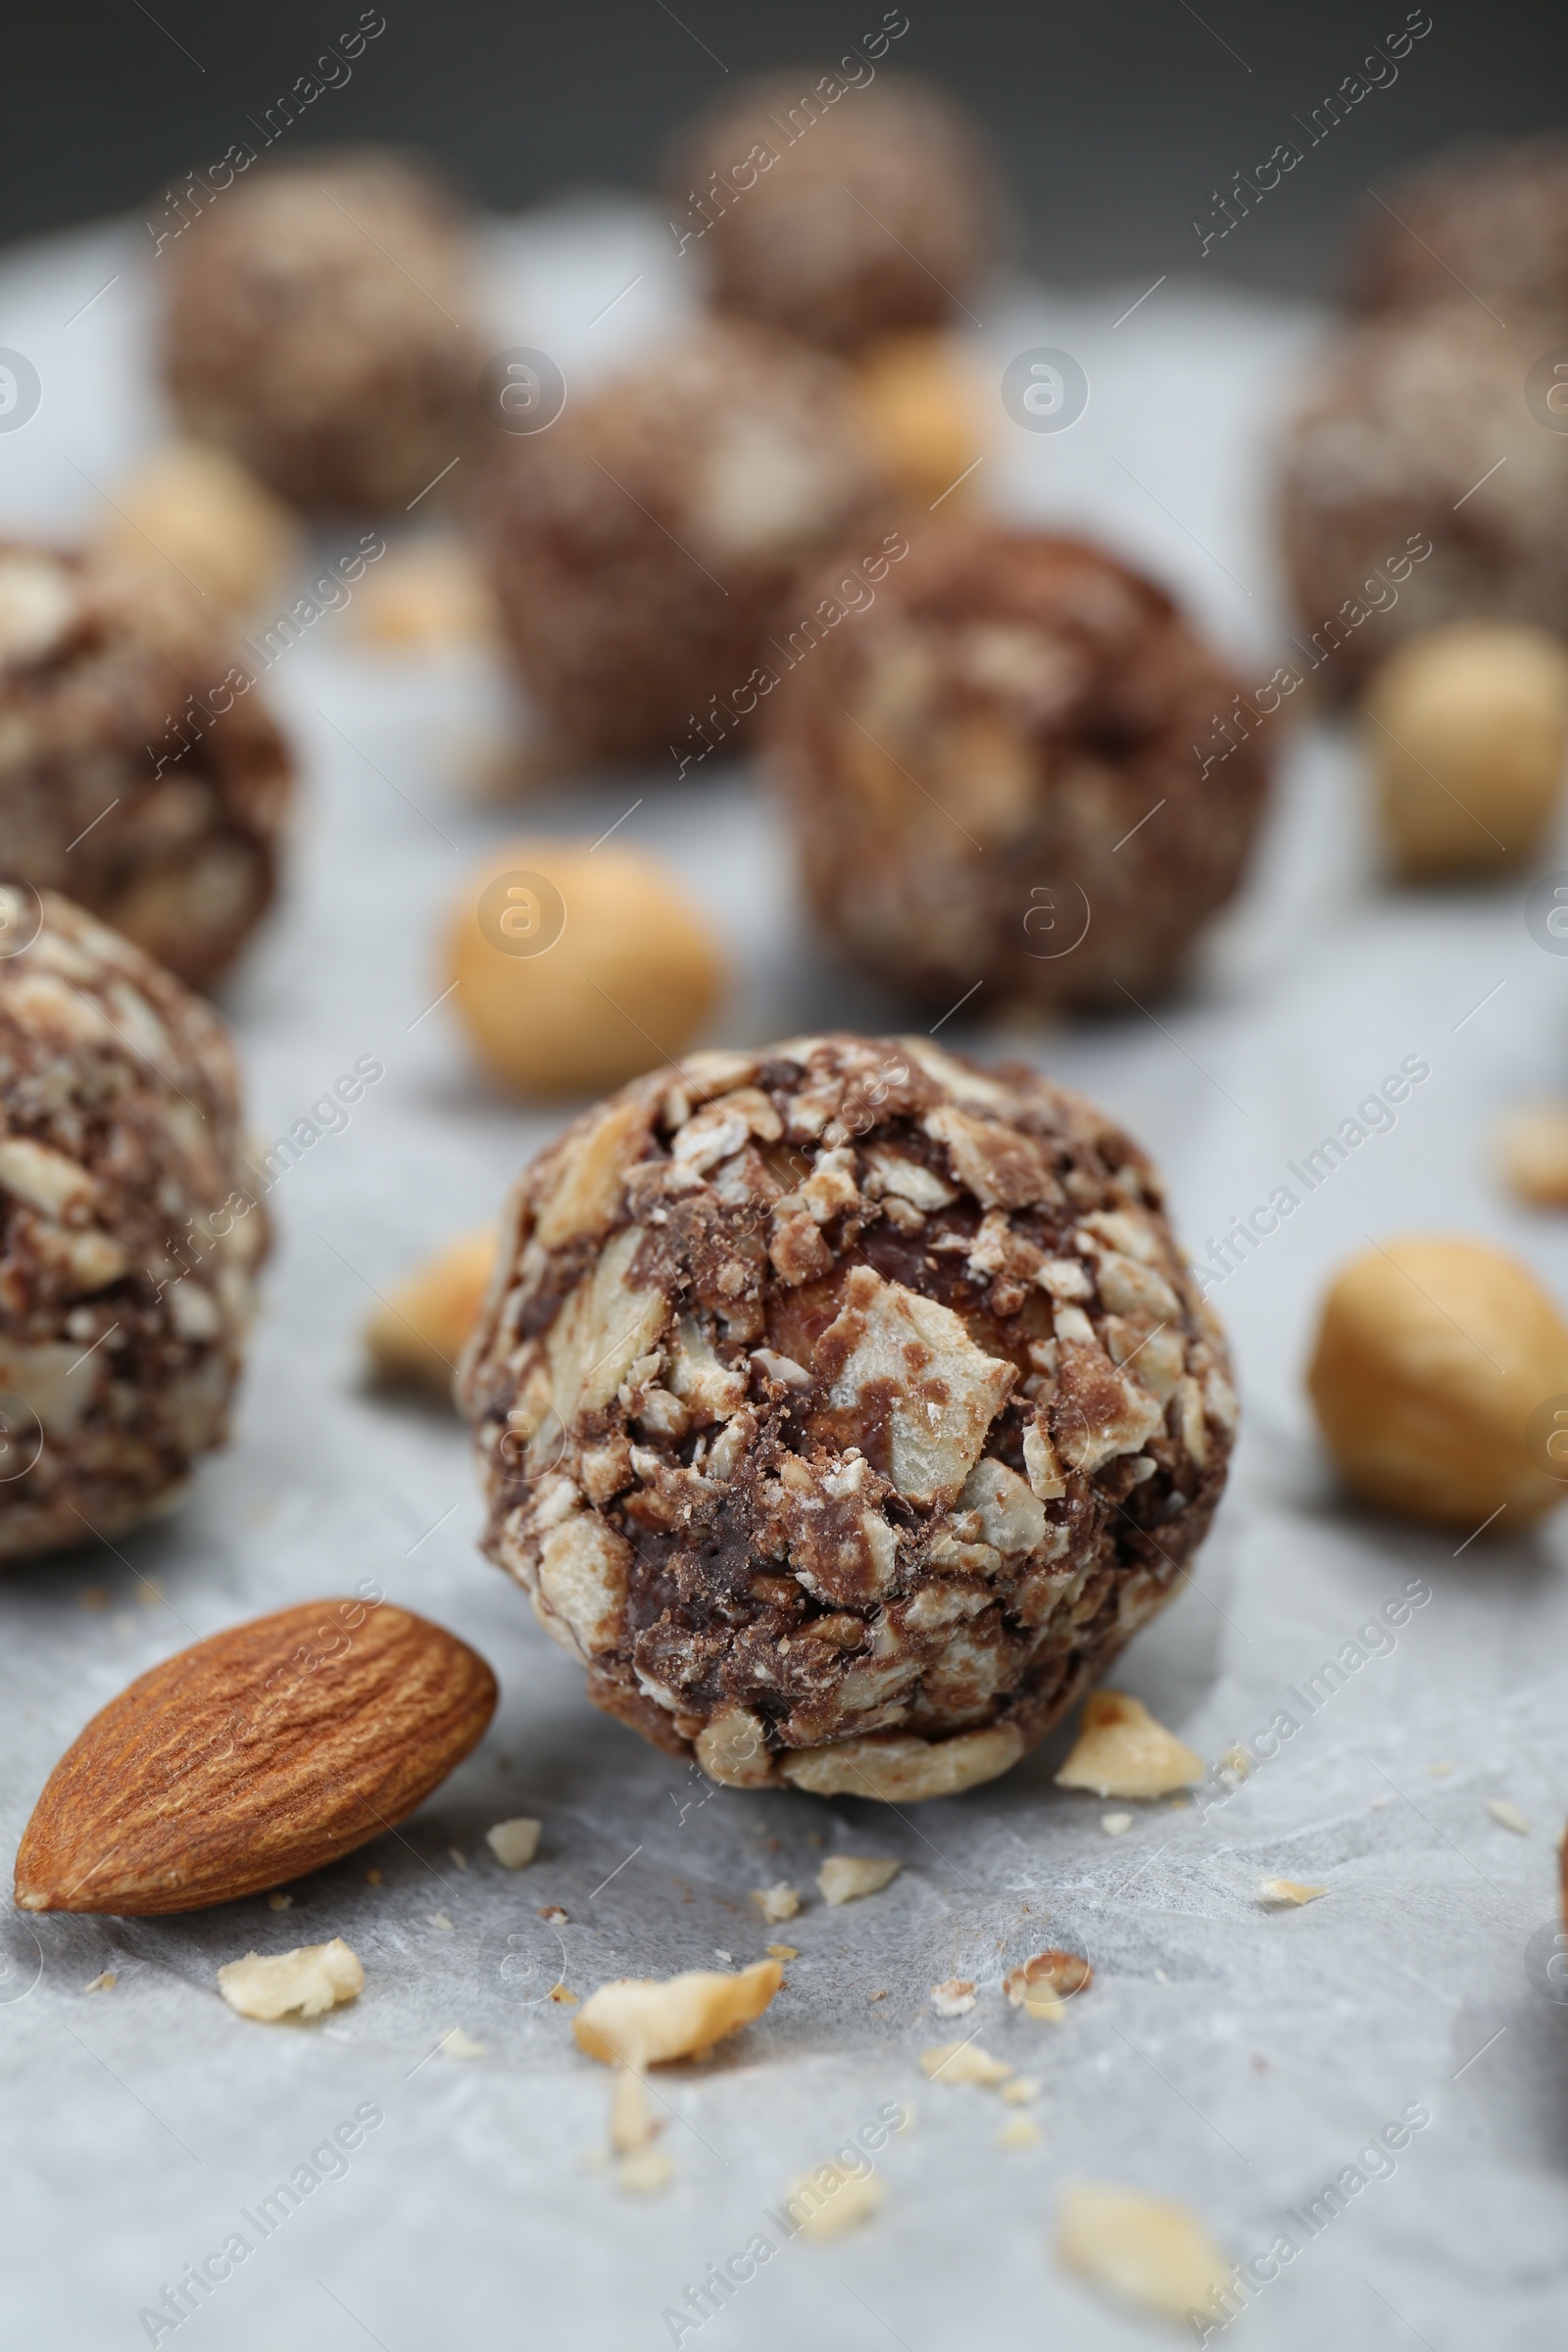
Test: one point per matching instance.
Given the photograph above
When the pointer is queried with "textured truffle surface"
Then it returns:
(836, 219)
(845, 1408)
(320, 328)
(1415, 433)
(996, 774)
(127, 1257)
(643, 543)
(132, 773)
(1493, 219)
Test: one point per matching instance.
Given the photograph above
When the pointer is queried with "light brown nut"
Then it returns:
(261, 1754)
(647, 2020)
(963, 2062)
(306, 1982)
(579, 966)
(514, 1844)
(1433, 1353)
(919, 411)
(1145, 2249)
(1466, 728)
(843, 1878)
(1530, 1148)
(419, 1330)
(193, 509)
(1286, 1893)
(899, 1769)
(1122, 1752)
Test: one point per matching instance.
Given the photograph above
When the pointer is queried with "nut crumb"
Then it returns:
(1021, 2091)
(646, 2021)
(455, 2043)
(439, 1919)
(632, 2123)
(514, 1844)
(776, 1903)
(963, 2062)
(316, 1978)
(104, 1983)
(1115, 1824)
(552, 1915)
(1122, 1752)
(278, 1902)
(1508, 1816)
(1019, 2132)
(373, 1878)
(1286, 1892)
(1531, 1152)
(788, 1951)
(1041, 1985)
(879, 1995)
(836, 2199)
(1145, 2249)
(953, 1998)
(561, 1997)
(459, 1859)
(646, 2173)
(728, 1958)
(844, 1876)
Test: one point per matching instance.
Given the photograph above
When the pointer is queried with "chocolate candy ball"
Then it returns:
(130, 1229)
(1492, 218)
(320, 328)
(1419, 487)
(140, 769)
(845, 1408)
(644, 543)
(996, 774)
(835, 211)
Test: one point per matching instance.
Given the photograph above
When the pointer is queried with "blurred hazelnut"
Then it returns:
(918, 410)
(418, 1331)
(424, 598)
(1467, 728)
(1436, 1357)
(577, 968)
(196, 507)
(1531, 1154)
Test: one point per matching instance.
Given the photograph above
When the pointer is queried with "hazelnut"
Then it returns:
(419, 1330)
(1467, 728)
(1530, 1146)
(425, 598)
(578, 967)
(1433, 1355)
(197, 509)
(918, 410)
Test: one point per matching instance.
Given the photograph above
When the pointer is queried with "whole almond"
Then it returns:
(258, 1755)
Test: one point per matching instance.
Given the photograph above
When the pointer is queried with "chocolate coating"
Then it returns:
(124, 1293)
(845, 1408)
(123, 777)
(320, 327)
(836, 219)
(1415, 432)
(641, 546)
(968, 765)
(1494, 219)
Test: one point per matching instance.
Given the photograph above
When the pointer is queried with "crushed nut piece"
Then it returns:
(1508, 1816)
(104, 1983)
(776, 1903)
(561, 1997)
(880, 1994)
(1284, 1891)
(646, 2173)
(439, 1919)
(786, 1951)
(309, 1981)
(455, 2043)
(1115, 1824)
(963, 2062)
(276, 1901)
(1122, 1752)
(633, 2122)
(1021, 2091)
(1040, 1986)
(953, 1998)
(457, 1857)
(835, 2200)
(514, 1844)
(1019, 2132)
(1532, 1152)
(646, 2021)
(844, 1876)
(552, 1915)
(1145, 2249)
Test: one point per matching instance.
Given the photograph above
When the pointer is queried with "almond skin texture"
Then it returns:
(264, 1754)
